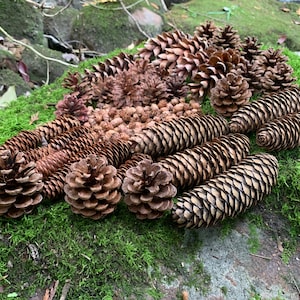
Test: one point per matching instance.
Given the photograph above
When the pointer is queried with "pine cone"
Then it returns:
(194, 166)
(57, 126)
(250, 48)
(54, 184)
(226, 38)
(229, 94)
(160, 43)
(23, 141)
(270, 70)
(228, 194)
(73, 106)
(92, 187)
(280, 134)
(207, 30)
(184, 132)
(218, 65)
(131, 162)
(20, 185)
(148, 190)
(186, 46)
(72, 81)
(255, 114)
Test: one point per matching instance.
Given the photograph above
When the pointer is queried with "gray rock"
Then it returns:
(151, 22)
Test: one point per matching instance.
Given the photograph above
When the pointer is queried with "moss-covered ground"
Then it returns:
(263, 19)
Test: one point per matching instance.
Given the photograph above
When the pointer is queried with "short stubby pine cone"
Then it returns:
(148, 190)
(92, 187)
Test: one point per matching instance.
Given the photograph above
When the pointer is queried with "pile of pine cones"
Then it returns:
(132, 129)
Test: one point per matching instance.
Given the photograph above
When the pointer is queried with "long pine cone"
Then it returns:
(194, 166)
(184, 132)
(255, 114)
(280, 134)
(228, 194)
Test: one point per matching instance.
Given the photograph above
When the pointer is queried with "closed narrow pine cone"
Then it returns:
(180, 133)
(280, 134)
(228, 194)
(54, 184)
(194, 166)
(253, 115)
(20, 184)
(23, 141)
(229, 94)
(92, 187)
(148, 190)
(57, 126)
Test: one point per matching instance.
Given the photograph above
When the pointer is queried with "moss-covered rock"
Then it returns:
(21, 20)
(10, 78)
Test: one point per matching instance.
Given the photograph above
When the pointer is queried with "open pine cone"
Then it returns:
(230, 93)
(92, 187)
(148, 190)
(20, 185)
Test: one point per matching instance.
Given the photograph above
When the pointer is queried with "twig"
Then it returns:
(261, 256)
(65, 290)
(35, 51)
(38, 5)
(134, 20)
(117, 8)
(59, 11)
(295, 283)
(164, 6)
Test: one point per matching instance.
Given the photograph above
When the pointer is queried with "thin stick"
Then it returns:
(65, 290)
(59, 11)
(134, 20)
(35, 51)
(116, 8)
(261, 256)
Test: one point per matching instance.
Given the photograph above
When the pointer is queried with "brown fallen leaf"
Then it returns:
(281, 39)
(298, 11)
(185, 295)
(285, 9)
(34, 118)
(154, 5)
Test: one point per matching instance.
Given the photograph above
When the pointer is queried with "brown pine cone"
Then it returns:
(228, 194)
(178, 134)
(148, 190)
(280, 134)
(92, 187)
(250, 48)
(226, 38)
(229, 94)
(220, 63)
(206, 30)
(73, 106)
(54, 184)
(160, 43)
(194, 166)
(255, 114)
(20, 185)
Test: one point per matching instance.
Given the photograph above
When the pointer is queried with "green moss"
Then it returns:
(262, 19)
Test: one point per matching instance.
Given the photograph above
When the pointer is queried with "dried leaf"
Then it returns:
(298, 11)
(34, 118)
(285, 9)
(281, 39)
(22, 68)
(50, 292)
(296, 22)
(279, 245)
(8, 96)
(154, 5)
